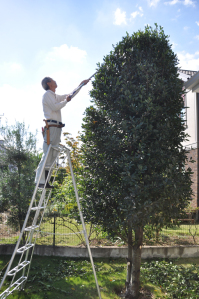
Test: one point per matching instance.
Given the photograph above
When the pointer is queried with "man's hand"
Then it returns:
(84, 82)
(68, 98)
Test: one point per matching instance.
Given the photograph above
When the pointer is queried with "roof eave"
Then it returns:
(192, 82)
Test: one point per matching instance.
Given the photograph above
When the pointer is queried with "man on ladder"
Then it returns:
(52, 105)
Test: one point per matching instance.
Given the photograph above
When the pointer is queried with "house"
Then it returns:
(191, 119)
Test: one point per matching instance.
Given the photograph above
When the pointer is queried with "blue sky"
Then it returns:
(64, 39)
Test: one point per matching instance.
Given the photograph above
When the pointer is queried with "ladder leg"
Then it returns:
(83, 224)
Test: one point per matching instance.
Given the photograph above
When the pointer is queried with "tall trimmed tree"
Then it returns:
(132, 144)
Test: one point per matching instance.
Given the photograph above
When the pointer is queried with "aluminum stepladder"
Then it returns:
(38, 206)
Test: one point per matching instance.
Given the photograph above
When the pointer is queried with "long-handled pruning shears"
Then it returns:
(79, 87)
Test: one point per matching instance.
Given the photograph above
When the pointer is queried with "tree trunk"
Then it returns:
(129, 259)
(134, 284)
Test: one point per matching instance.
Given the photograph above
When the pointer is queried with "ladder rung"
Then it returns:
(29, 228)
(14, 286)
(18, 268)
(36, 208)
(24, 248)
(55, 148)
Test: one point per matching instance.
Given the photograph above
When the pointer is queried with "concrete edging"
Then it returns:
(148, 252)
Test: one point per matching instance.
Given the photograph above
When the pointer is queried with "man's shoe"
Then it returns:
(48, 186)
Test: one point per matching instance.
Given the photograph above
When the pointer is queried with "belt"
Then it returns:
(55, 121)
(56, 126)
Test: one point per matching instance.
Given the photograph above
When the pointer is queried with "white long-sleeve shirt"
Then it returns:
(52, 105)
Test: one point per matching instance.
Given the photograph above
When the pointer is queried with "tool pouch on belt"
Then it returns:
(47, 132)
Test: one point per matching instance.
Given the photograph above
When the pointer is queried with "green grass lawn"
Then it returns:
(58, 277)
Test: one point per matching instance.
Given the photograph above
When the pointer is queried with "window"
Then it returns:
(183, 114)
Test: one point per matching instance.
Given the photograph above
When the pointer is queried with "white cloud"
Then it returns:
(137, 13)
(184, 2)
(153, 2)
(197, 37)
(63, 52)
(197, 23)
(189, 61)
(189, 2)
(120, 17)
(186, 28)
(173, 2)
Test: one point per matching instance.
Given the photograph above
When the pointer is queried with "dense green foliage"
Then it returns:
(176, 280)
(133, 135)
(19, 159)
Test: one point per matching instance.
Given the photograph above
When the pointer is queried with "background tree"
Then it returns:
(63, 196)
(132, 144)
(19, 159)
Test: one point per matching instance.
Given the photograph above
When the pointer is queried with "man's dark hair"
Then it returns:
(44, 83)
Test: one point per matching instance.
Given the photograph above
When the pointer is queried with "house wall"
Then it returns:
(191, 143)
(191, 111)
(194, 167)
